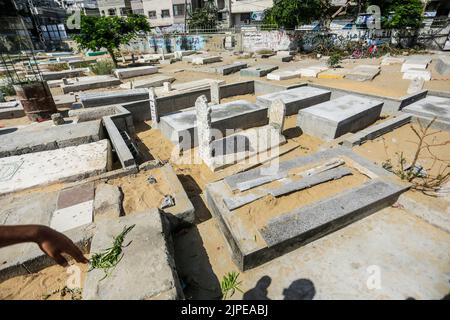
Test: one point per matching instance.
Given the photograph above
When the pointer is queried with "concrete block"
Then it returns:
(338, 73)
(388, 60)
(415, 86)
(430, 107)
(418, 62)
(412, 74)
(363, 73)
(146, 270)
(72, 217)
(296, 99)
(283, 75)
(156, 81)
(47, 167)
(108, 202)
(41, 137)
(230, 68)
(443, 65)
(334, 118)
(112, 97)
(258, 71)
(312, 71)
(181, 127)
(58, 75)
(125, 73)
(282, 57)
(11, 113)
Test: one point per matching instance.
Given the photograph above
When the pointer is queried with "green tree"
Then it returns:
(291, 13)
(109, 32)
(398, 14)
(205, 17)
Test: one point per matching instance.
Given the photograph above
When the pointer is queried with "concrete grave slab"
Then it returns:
(415, 86)
(125, 73)
(363, 73)
(205, 59)
(58, 75)
(83, 85)
(334, 118)
(253, 244)
(296, 99)
(108, 202)
(47, 167)
(97, 99)
(412, 74)
(11, 113)
(258, 71)
(338, 73)
(430, 107)
(312, 71)
(72, 217)
(230, 68)
(38, 137)
(187, 86)
(146, 270)
(284, 75)
(416, 62)
(443, 65)
(181, 127)
(388, 60)
(156, 81)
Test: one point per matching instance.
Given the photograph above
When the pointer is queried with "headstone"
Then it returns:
(167, 86)
(215, 92)
(203, 111)
(153, 108)
(277, 112)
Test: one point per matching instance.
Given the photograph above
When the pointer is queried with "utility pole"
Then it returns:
(185, 16)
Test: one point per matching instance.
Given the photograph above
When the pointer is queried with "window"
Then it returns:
(178, 10)
(112, 12)
(165, 13)
(245, 16)
(152, 14)
(123, 11)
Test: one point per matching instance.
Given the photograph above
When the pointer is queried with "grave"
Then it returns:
(430, 107)
(282, 56)
(416, 62)
(388, 60)
(125, 73)
(44, 136)
(146, 270)
(156, 81)
(334, 118)
(363, 73)
(48, 167)
(312, 71)
(181, 127)
(11, 110)
(59, 75)
(96, 99)
(188, 86)
(92, 83)
(258, 71)
(220, 153)
(338, 73)
(283, 75)
(205, 59)
(230, 68)
(443, 65)
(412, 74)
(415, 86)
(269, 211)
(296, 99)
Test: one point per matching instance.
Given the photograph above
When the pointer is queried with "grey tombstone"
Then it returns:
(215, 92)
(277, 112)
(203, 111)
(153, 108)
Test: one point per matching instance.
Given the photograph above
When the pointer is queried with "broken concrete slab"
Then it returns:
(181, 127)
(258, 71)
(416, 62)
(443, 65)
(412, 74)
(338, 73)
(296, 99)
(430, 107)
(283, 75)
(147, 268)
(415, 86)
(83, 85)
(156, 81)
(230, 68)
(72, 217)
(60, 165)
(375, 131)
(253, 245)
(312, 71)
(334, 118)
(97, 99)
(125, 73)
(40, 137)
(107, 202)
(363, 73)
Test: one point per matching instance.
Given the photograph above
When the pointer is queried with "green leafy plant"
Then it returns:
(400, 14)
(75, 293)
(334, 60)
(205, 17)
(110, 32)
(230, 284)
(7, 88)
(103, 67)
(110, 257)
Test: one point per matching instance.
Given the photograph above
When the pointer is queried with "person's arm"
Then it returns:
(51, 242)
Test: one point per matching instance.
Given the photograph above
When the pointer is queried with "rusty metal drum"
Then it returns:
(36, 99)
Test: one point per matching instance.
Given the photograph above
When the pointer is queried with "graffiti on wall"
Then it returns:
(276, 40)
(171, 44)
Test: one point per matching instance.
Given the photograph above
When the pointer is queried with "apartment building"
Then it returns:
(165, 13)
(114, 7)
(247, 12)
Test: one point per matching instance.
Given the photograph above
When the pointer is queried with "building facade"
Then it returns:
(120, 8)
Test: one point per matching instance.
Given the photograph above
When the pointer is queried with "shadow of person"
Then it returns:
(259, 292)
(302, 289)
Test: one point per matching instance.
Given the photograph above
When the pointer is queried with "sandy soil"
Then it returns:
(139, 194)
(48, 284)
